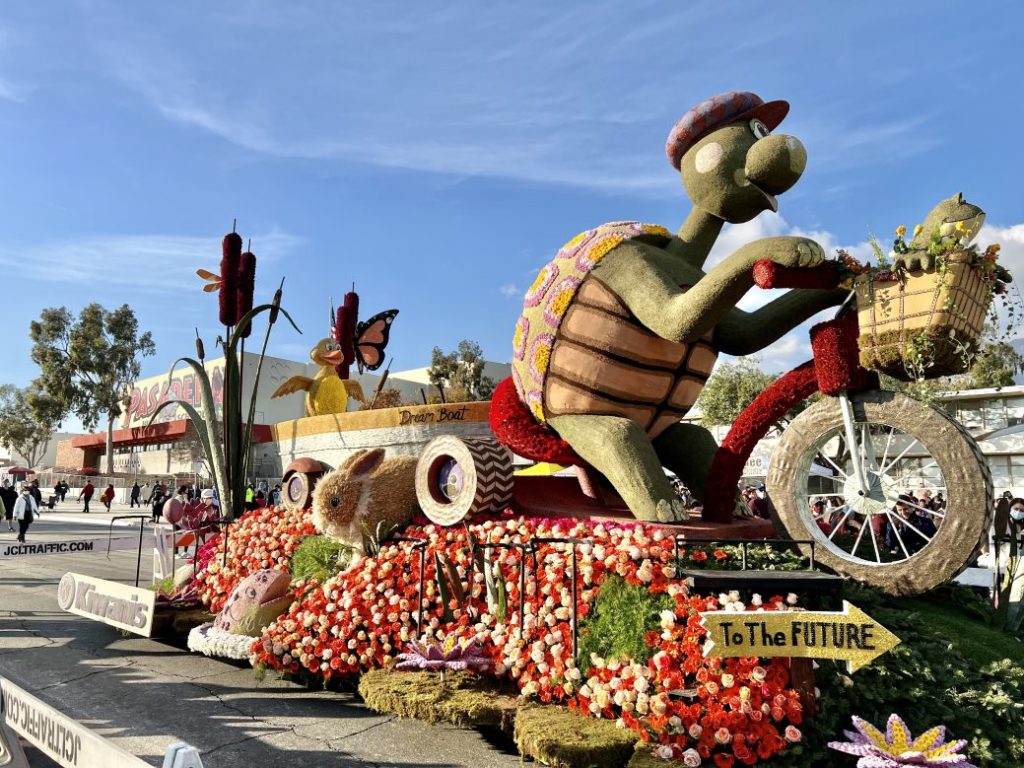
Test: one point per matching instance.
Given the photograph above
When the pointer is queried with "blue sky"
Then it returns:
(438, 154)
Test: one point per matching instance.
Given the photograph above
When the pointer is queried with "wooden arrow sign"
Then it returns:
(849, 635)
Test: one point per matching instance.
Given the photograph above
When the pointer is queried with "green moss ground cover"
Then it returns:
(461, 699)
(565, 739)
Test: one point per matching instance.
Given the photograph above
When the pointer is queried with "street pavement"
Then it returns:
(144, 694)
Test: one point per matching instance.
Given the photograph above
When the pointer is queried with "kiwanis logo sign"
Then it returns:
(128, 608)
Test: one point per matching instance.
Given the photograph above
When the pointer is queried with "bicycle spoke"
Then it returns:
(918, 531)
(904, 452)
(896, 530)
(874, 542)
(842, 521)
(896, 500)
(860, 533)
(834, 465)
(888, 442)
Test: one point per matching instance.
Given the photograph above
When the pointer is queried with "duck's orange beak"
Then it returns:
(332, 358)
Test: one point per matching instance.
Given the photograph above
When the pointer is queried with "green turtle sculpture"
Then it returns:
(620, 331)
(942, 219)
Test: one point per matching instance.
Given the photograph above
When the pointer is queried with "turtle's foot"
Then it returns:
(672, 511)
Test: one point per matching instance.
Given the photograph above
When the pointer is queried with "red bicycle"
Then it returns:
(867, 446)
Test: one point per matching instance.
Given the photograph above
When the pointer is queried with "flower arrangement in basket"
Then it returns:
(921, 314)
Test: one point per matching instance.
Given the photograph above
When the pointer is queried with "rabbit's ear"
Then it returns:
(364, 462)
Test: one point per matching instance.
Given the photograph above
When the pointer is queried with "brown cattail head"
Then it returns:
(348, 314)
(232, 254)
(200, 349)
(246, 286)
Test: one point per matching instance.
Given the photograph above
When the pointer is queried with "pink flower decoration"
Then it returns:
(896, 747)
(540, 286)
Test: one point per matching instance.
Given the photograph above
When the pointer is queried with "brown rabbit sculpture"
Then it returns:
(350, 502)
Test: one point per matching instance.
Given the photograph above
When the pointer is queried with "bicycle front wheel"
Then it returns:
(899, 446)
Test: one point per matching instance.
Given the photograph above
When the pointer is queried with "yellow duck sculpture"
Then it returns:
(326, 392)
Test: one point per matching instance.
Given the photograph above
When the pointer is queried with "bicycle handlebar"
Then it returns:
(768, 274)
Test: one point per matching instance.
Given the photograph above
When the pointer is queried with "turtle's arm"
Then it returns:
(743, 333)
(683, 315)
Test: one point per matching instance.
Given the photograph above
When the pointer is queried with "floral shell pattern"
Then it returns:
(551, 295)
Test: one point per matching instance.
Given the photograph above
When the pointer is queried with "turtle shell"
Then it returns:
(580, 351)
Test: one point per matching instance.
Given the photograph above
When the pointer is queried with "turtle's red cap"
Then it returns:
(717, 111)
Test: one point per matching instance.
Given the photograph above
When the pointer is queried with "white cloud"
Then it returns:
(526, 125)
(147, 263)
(1011, 240)
(12, 92)
(510, 291)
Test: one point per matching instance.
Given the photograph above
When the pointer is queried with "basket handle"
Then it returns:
(768, 274)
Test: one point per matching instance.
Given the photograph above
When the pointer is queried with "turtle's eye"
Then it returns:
(333, 347)
(759, 129)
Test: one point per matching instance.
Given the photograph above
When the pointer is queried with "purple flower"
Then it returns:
(896, 747)
(451, 654)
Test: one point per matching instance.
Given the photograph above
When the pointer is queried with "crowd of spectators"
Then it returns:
(902, 531)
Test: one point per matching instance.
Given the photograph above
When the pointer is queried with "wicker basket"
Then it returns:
(931, 316)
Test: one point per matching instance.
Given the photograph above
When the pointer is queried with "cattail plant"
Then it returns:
(229, 458)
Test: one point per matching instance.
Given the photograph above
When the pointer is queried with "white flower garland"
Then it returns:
(211, 641)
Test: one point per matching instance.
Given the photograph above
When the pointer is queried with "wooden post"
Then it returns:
(801, 677)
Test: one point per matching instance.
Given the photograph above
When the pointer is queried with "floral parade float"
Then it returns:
(573, 617)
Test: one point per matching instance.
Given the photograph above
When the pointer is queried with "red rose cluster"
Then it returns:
(739, 710)
(262, 538)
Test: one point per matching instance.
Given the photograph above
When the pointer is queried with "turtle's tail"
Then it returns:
(515, 427)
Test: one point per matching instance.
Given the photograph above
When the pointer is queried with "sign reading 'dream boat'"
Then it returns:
(58, 736)
(128, 608)
(849, 635)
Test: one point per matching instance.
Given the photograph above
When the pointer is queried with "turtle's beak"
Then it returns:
(775, 163)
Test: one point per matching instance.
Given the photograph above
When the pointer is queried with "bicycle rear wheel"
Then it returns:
(901, 446)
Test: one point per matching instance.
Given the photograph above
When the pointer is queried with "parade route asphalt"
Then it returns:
(144, 694)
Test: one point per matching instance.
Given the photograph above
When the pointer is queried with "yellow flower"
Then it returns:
(560, 303)
(901, 230)
(960, 227)
(541, 358)
(918, 230)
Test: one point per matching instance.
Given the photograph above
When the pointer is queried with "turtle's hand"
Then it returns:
(792, 251)
(913, 261)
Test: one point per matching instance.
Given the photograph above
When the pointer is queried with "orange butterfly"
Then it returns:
(213, 281)
(370, 339)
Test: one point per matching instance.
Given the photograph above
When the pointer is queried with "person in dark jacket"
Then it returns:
(135, 499)
(36, 494)
(8, 495)
(157, 502)
(911, 532)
